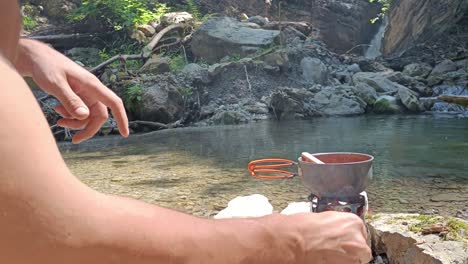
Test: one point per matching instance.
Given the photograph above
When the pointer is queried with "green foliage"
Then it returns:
(186, 91)
(385, 7)
(119, 14)
(133, 97)
(177, 63)
(123, 47)
(193, 9)
(29, 23)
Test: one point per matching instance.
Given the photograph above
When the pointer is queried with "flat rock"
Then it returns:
(391, 236)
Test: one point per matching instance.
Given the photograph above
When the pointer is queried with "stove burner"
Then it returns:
(356, 204)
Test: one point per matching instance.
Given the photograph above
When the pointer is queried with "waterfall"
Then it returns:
(374, 47)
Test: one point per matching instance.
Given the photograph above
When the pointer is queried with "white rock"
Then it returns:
(255, 205)
(296, 208)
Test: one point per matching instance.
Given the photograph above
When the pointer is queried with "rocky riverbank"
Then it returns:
(231, 71)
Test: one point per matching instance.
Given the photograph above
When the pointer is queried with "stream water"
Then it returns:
(421, 162)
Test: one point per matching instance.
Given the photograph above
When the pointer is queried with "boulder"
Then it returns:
(58, 8)
(366, 92)
(391, 235)
(387, 104)
(195, 74)
(444, 66)
(417, 70)
(161, 101)
(156, 65)
(336, 101)
(230, 117)
(176, 17)
(376, 80)
(288, 103)
(223, 36)
(409, 99)
(314, 70)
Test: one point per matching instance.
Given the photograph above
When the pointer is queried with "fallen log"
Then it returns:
(65, 41)
(455, 99)
(153, 125)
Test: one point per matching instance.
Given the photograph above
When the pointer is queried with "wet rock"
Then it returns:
(391, 235)
(230, 117)
(176, 17)
(148, 30)
(376, 80)
(444, 66)
(314, 70)
(156, 65)
(252, 25)
(427, 102)
(255, 205)
(161, 101)
(336, 101)
(387, 104)
(366, 92)
(223, 36)
(409, 99)
(288, 102)
(259, 20)
(449, 197)
(417, 70)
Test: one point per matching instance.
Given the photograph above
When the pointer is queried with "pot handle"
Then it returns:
(272, 167)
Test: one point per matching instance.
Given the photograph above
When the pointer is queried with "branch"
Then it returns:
(247, 78)
(148, 49)
(116, 57)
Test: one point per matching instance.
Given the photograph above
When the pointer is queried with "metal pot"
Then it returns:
(343, 174)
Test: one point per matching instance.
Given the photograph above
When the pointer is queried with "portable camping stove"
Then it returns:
(357, 205)
(336, 180)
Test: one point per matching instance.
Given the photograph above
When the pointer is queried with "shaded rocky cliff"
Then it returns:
(417, 21)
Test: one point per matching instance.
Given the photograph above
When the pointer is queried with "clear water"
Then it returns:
(421, 162)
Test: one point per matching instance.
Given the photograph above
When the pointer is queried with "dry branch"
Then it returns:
(116, 57)
(303, 27)
(147, 50)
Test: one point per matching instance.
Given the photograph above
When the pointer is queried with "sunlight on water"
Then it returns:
(421, 162)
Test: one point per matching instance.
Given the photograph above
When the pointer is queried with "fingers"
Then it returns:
(63, 112)
(94, 123)
(110, 99)
(72, 123)
(71, 102)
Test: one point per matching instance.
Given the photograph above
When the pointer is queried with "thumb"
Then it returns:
(72, 102)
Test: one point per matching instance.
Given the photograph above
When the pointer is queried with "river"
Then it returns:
(421, 162)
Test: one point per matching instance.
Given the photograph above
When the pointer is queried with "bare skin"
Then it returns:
(48, 216)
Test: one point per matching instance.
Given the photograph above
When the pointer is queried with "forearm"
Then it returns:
(25, 55)
(166, 236)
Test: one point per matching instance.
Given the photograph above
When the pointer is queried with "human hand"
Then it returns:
(84, 99)
(332, 237)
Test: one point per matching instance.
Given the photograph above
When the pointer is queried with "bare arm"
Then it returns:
(44, 204)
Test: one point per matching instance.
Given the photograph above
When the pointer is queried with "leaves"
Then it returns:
(119, 14)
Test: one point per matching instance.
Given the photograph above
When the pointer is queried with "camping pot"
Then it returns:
(343, 174)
